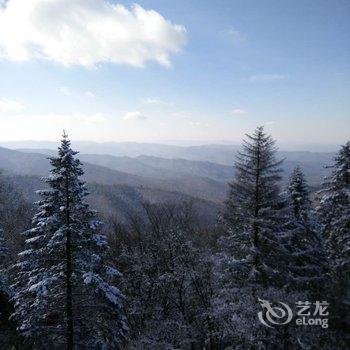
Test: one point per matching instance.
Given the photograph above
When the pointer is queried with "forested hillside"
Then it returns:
(182, 254)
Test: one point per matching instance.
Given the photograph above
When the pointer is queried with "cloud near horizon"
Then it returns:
(157, 101)
(238, 111)
(86, 33)
(134, 116)
(268, 77)
(236, 35)
(10, 106)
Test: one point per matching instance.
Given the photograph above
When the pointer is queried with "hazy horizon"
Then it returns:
(52, 144)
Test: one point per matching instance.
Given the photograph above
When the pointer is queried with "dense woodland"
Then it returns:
(164, 280)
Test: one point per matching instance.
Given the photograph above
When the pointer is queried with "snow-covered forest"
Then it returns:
(164, 280)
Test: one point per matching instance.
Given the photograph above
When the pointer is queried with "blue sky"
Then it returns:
(212, 71)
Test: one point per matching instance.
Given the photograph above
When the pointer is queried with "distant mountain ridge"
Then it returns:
(119, 184)
(161, 149)
(27, 163)
(211, 161)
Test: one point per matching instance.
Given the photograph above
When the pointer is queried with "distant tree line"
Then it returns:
(163, 281)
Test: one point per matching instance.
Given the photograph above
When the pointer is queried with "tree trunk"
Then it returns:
(69, 304)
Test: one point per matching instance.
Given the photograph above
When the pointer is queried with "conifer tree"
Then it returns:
(307, 258)
(254, 213)
(64, 292)
(299, 195)
(335, 210)
(254, 259)
(334, 214)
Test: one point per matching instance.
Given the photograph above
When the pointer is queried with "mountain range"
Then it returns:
(122, 175)
(148, 159)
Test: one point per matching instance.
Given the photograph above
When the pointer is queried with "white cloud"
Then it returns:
(268, 77)
(134, 116)
(81, 32)
(64, 90)
(156, 101)
(182, 114)
(238, 111)
(270, 122)
(10, 106)
(50, 125)
(89, 94)
(236, 35)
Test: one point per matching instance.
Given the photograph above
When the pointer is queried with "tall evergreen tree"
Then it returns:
(307, 258)
(334, 214)
(64, 293)
(254, 213)
(299, 195)
(253, 263)
(335, 210)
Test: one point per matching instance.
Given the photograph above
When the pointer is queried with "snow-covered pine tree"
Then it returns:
(299, 195)
(64, 296)
(254, 259)
(334, 215)
(253, 215)
(334, 211)
(307, 257)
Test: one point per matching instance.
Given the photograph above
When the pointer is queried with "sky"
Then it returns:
(169, 71)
